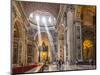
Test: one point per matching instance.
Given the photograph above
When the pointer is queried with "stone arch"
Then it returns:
(17, 43)
(16, 31)
(19, 26)
(45, 38)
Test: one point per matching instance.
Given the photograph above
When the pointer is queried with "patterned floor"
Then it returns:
(68, 67)
(64, 67)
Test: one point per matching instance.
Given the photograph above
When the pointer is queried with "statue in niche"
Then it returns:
(44, 47)
(44, 51)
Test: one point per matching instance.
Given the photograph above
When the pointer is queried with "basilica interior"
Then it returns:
(43, 33)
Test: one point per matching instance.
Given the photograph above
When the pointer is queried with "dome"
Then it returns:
(41, 18)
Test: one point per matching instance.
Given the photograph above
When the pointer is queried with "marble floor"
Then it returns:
(64, 67)
(69, 67)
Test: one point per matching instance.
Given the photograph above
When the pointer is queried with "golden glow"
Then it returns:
(44, 55)
(87, 44)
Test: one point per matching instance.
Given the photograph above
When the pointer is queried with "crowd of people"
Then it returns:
(59, 64)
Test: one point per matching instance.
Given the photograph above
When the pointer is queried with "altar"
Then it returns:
(43, 52)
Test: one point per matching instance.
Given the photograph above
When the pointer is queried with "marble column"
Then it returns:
(26, 50)
(65, 39)
(65, 49)
(70, 35)
(78, 41)
(58, 46)
(78, 32)
(24, 47)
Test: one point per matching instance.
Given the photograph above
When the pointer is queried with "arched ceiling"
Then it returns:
(42, 15)
(47, 10)
(30, 7)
